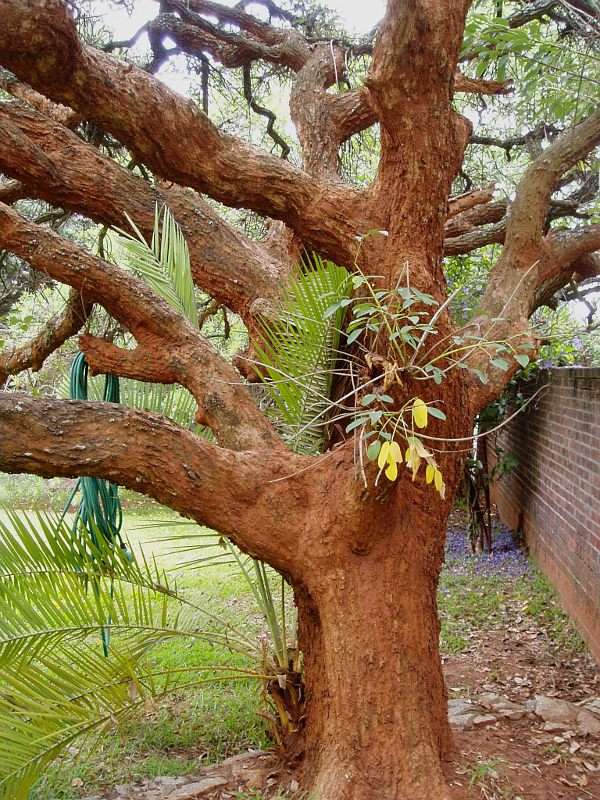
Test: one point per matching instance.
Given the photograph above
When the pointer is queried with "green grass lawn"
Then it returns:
(208, 723)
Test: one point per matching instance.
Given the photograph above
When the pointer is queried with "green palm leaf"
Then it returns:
(55, 589)
(299, 352)
(56, 594)
(74, 693)
(164, 263)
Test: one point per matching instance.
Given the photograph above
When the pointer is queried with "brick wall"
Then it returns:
(553, 496)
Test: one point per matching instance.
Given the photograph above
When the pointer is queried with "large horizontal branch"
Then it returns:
(21, 91)
(583, 269)
(185, 147)
(355, 112)
(569, 244)
(560, 12)
(169, 349)
(54, 333)
(552, 275)
(233, 493)
(55, 165)
(475, 239)
(487, 223)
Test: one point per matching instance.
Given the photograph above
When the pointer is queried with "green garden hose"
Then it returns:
(99, 510)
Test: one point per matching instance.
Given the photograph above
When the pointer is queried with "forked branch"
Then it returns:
(169, 349)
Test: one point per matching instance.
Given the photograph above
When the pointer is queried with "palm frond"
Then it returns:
(258, 576)
(164, 263)
(56, 589)
(172, 401)
(74, 693)
(299, 351)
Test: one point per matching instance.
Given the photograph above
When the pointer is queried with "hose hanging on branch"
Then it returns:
(99, 510)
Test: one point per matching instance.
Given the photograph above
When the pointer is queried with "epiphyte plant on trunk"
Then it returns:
(352, 553)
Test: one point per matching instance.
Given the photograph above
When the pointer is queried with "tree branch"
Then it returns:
(56, 331)
(570, 244)
(232, 493)
(186, 147)
(466, 230)
(194, 35)
(353, 111)
(464, 84)
(169, 349)
(317, 115)
(21, 91)
(540, 132)
(57, 166)
(585, 268)
(530, 206)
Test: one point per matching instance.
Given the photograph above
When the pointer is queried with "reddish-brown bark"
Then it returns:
(54, 164)
(376, 722)
(168, 350)
(364, 562)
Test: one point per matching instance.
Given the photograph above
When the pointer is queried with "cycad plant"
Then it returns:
(299, 350)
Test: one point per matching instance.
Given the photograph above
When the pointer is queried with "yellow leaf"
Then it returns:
(439, 481)
(419, 413)
(383, 455)
(392, 471)
(407, 456)
(429, 473)
(395, 452)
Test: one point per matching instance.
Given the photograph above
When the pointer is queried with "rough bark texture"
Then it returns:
(364, 560)
(376, 724)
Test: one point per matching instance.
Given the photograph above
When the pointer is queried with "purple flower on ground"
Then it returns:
(507, 558)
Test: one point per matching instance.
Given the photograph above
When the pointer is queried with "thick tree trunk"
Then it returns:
(376, 719)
